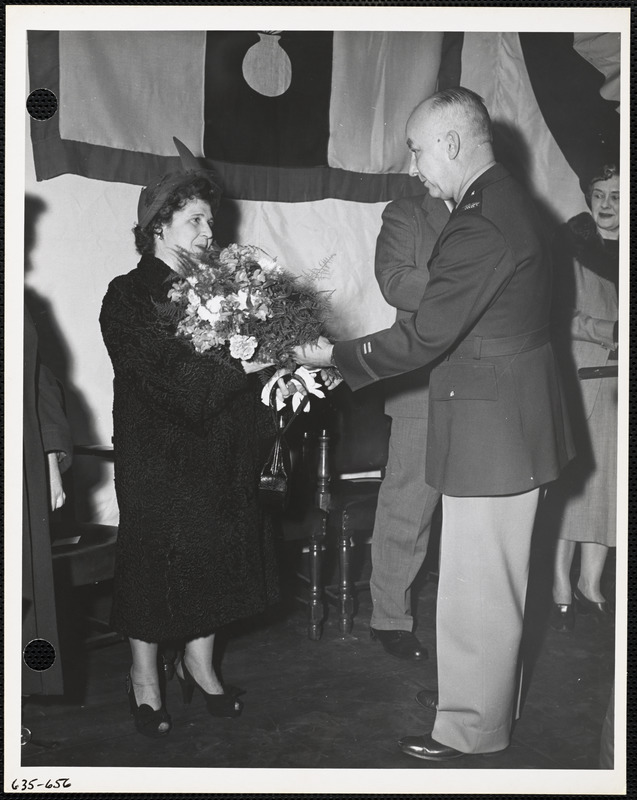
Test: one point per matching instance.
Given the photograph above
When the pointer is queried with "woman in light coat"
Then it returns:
(587, 266)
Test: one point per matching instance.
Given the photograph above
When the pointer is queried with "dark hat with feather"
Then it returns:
(153, 196)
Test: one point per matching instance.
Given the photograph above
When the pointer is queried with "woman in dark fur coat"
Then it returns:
(587, 267)
(193, 553)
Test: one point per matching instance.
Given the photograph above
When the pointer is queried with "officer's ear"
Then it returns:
(452, 144)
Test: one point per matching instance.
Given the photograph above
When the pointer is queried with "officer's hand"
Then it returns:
(315, 355)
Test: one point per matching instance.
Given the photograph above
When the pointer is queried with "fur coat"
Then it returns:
(194, 550)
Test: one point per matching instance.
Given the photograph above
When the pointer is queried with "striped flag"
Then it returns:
(294, 116)
(284, 117)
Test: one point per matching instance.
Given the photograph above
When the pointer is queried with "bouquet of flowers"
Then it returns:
(241, 299)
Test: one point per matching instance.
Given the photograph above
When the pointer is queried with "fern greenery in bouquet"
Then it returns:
(241, 299)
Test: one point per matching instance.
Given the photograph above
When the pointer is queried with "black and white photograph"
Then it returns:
(317, 322)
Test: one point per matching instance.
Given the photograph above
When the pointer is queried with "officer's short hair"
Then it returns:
(471, 104)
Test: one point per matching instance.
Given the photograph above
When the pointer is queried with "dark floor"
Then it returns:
(341, 702)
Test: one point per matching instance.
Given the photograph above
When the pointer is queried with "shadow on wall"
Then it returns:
(512, 150)
(226, 223)
(58, 356)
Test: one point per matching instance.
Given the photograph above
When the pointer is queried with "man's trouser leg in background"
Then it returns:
(484, 565)
(403, 522)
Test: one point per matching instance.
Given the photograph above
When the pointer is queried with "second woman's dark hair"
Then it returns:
(197, 188)
(605, 172)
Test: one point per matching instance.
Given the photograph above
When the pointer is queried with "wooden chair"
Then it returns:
(84, 552)
(342, 461)
(359, 443)
(305, 520)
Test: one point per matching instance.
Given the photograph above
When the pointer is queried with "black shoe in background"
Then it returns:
(402, 644)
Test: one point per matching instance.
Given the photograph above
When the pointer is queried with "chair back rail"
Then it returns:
(83, 553)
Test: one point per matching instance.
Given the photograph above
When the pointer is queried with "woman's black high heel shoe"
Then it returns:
(563, 617)
(586, 606)
(218, 705)
(147, 720)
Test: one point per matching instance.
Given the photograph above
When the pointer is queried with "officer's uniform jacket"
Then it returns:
(410, 229)
(497, 422)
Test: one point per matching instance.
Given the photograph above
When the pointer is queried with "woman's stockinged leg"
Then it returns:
(145, 676)
(196, 671)
(593, 558)
(198, 659)
(562, 590)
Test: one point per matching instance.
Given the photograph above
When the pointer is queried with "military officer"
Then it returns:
(497, 421)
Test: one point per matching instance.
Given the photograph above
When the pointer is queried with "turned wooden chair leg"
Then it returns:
(316, 604)
(345, 594)
(322, 502)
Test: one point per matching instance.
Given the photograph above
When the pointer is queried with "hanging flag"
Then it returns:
(299, 116)
(287, 116)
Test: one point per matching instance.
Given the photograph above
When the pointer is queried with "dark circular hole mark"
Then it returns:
(39, 655)
(42, 104)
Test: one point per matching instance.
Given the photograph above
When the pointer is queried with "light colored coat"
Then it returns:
(588, 300)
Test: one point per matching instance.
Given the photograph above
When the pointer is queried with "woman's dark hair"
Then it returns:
(605, 172)
(197, 188)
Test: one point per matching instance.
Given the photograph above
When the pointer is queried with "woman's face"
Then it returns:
(189, 229)
(605, 207)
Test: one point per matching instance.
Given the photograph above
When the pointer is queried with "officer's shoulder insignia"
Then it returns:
(471, 202)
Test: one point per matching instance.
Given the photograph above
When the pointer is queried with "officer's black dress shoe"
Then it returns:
(402, 644)
(428, 748)
(428, 698)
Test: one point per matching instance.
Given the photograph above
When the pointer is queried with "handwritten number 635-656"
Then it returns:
(23, 785)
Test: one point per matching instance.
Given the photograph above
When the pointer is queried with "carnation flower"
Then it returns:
(193, 298)
(205, 314)
(215, 304)
(242, 347)
(204, 340)
(261, 311)
(242, 299)
(228, 260)
(267, 264)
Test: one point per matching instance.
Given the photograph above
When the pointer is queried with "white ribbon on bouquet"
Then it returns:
(306, 375)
